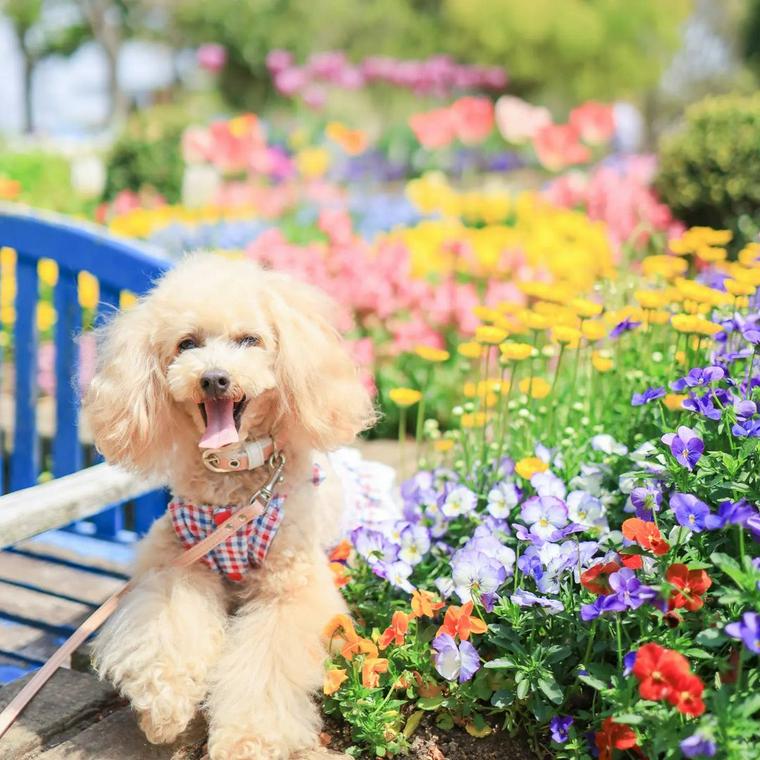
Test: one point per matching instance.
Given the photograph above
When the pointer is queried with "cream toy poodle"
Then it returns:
(220, 363)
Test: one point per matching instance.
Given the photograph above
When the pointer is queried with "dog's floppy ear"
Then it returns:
(320, 389)
(126, 404)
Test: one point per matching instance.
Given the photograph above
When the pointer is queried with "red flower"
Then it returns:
(686, 692)
(596, 578)
(558, 146)
(473, 119)
(595, 122)
(614, 736)
(691, 584)
(433, 129)
(654, 667)
(631, 561)
(396, 631)
(646, 534)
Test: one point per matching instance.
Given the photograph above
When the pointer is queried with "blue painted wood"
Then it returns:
(112, 261)
(149, 508)
(110, 521)
(25, 465)
(67, 451)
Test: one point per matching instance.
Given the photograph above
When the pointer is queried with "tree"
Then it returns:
(570, 50)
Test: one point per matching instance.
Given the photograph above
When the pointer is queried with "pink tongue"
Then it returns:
(220, 425)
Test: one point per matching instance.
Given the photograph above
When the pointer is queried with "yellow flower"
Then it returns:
(651, 299)
(333, 679)
(48, 271)
(45, 316)
(312, 162)
(711, 255)
(657, 317)
(750, 255)
(490, 335)
(601, 363)
(593, 331)
(404, 397)
(443, 445)
(486, 313)
(585, 308)
(10, 189)
(515, 352)
(663, 266)
(567, 335)
(353, 141)
(473, 419)
(430, 354)
(674, 401)
(538, 389)
(529, 466)
(89, 290)
(739, 288)
(683, 323)
(127, 299)
(535, 321)
(470, 349)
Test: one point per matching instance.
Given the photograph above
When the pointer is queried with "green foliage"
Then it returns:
(574, 49)
(708, 170)
(45, 180)
(149, 154)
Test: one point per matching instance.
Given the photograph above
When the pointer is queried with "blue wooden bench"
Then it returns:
(85, 495)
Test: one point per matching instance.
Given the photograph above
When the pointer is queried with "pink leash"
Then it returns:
(255, 508)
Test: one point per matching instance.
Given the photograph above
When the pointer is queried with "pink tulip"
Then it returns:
(473, 119)
(594, 121)
(557, 146)
(434, 129)
(279, 60)
(518, 121)
(290, 81)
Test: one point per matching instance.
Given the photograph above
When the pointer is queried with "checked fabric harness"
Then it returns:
(228, 541)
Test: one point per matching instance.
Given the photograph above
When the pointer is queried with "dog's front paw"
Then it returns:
(164, 719)
(238, 745)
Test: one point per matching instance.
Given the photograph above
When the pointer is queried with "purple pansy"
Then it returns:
(646, 501)
(698, 745)
(373, 546)
(559, 726)
(460, 501)
(455, 663)
(622, 327)
(415, 544)
(629, 660)
(600, 606)
(685, 445)
(746, 630)
(544, 514)
(702, 405)
(528, 599)
(502, 499)
(650, 394)
(476, 575)
(690, 511)
(629, 589)
(698, 377)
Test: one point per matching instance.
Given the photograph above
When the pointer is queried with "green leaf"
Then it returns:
(551, 689)
(444, 721)
(431, 703)
(502, 698)
(630, 719)
(710, 637)
(412, 723)
(501, 662)
(729, 566)
(557, 654)
(594, 683)
(522, 689)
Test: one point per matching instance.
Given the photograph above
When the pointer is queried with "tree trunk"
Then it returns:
(27, 124)
(118, 101)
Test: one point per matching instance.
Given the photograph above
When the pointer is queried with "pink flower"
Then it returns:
(211, 57)
(434, 129)
(336, 224)
(279, 60)
(557, 146)
(472, 118)
(519, 121)
(594, 121)
(290, 81)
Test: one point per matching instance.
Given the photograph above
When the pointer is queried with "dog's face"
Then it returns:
(222, 351)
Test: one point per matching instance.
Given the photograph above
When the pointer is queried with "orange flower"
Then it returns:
(340, 577)
(396, 631)
(646, 534)
(341, 552)
(359, 646)
(614, 736)
(425, 604)
(353, 141)
(458, 621)
(333, 679)
(690, 585)
(354, 644)
(371, 670)
(340, 622)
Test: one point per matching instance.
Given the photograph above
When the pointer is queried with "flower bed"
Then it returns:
(579, 558)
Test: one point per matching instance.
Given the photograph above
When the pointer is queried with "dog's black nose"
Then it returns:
(215, 383)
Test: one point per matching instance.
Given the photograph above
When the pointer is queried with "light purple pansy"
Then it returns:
(685, 445)
(455, 663)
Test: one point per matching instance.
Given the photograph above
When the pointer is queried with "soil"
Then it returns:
(431, 743)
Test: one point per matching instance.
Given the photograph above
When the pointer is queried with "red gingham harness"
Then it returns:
(244, 549)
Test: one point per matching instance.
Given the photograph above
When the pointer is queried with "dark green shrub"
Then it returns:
(149, 153)
(710, 170)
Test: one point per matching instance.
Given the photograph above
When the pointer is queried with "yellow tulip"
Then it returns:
(404, 397)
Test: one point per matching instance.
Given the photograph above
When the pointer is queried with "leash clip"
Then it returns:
(276, 465)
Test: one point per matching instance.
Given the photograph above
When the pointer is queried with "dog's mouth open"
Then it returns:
(222, 419)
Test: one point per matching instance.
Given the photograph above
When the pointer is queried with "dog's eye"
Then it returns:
(249, 340)
(186, 344)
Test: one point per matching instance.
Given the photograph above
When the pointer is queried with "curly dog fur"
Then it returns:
(249, 654)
